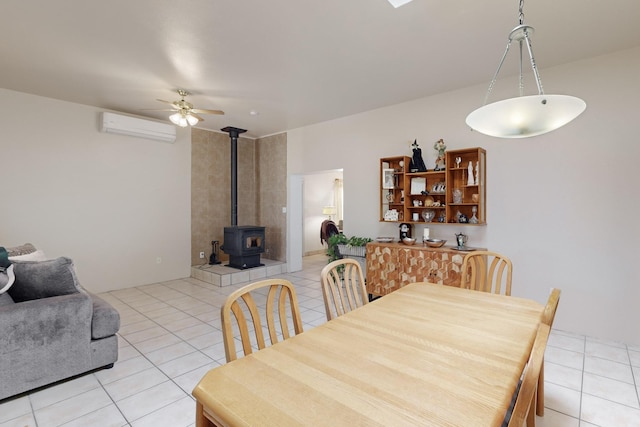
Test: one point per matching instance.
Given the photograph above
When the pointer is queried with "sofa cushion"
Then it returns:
(106, 319)
(5, 299)
(43, 279)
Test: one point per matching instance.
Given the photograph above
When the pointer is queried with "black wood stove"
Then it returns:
(244, 243)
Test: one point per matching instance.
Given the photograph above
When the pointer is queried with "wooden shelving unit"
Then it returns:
(471, 191)
(448, 195)
(392, 182)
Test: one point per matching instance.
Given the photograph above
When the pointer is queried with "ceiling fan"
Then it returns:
(185, 114)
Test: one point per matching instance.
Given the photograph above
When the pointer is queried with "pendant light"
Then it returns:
(398, 3)
(524, 116)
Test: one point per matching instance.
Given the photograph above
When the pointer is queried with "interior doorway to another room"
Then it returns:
(313, 198)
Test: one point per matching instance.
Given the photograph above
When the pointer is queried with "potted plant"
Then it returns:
(339, 245)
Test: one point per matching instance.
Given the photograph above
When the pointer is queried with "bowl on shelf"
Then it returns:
(384, 239)
(408, 241)
(435, 243)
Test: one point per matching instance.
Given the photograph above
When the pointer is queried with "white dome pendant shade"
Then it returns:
(398, 3)
(524, 116)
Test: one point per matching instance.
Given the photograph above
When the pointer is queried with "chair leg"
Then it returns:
(201, 420)
(540, 393)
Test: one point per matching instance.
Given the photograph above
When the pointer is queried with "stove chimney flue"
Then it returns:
(233, 135)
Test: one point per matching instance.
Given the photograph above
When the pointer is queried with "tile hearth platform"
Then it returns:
(221, 275)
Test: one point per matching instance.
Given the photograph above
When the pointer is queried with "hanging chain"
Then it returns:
(521, 12)
(521, 21)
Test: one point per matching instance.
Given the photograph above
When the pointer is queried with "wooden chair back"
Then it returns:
(486, 271)
(343, 287)
(278, 306)
(524, 408)
(551, 307)
(547, 318)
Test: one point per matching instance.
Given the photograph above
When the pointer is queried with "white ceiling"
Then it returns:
(296, 62)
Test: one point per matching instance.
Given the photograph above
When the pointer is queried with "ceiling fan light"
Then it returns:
(192, 120)
(525, 116)
(179, 119)
(175, 119)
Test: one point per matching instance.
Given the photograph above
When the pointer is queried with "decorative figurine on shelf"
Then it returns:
(470, 180)
(440, 148)
(417, 163)
(391, 215)
(477, 172)
(474, 218)
(461, 218)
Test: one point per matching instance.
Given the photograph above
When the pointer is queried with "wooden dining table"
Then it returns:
(424, 355)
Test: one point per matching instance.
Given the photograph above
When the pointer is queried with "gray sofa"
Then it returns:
(51, 328)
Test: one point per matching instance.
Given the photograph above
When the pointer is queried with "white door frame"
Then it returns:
(295, 223)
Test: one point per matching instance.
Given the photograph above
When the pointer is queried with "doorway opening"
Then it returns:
(310, 195)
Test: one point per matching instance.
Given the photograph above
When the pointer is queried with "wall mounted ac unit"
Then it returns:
(132, 126)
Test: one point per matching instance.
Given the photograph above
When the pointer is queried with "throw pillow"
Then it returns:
(27, 248)
(33, 256)
(7, 278)
(43, 279)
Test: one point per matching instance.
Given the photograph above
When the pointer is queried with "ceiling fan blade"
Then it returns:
(174, 104)
(196, 116)
(157, 109)
(201, 111)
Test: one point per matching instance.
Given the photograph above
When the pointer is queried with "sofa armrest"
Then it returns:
(44, 340)
(106, 319)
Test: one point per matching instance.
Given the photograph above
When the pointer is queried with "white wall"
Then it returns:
(564, 206)
(114, 204)
(318, 191)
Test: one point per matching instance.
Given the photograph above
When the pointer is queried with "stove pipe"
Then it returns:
(233, 134)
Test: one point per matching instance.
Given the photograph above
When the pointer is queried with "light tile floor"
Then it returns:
(171, 336)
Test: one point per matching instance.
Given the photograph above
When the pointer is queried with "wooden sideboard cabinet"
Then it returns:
(390, 266)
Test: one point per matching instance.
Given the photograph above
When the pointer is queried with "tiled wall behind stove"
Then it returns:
(272, 193)
(260, 189)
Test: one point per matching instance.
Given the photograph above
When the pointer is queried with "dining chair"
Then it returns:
(279, 309)
(343, 287)
(547, 318)
(486, 271)
(524, 407)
